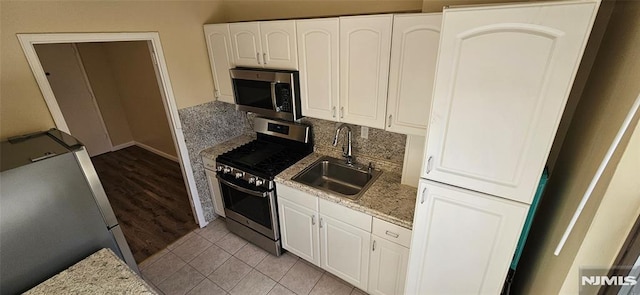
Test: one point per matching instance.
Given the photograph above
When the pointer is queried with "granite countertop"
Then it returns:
(386, 199)
(221, 148)
(101, 273)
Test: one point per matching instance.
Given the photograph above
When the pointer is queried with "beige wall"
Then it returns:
(614, 219)
(610, 91)
(140, 95)
(96, 64)
(179, 23)
(436, 5)
(243, 10)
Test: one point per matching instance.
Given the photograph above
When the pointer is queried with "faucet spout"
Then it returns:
(348, 154)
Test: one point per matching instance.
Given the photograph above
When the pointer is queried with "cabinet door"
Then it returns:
(318, 60)
(502, 81)
(414, 50)
(388, 267)
(245, 43)
(462, 241)
(299, 231)
(216, 195)
(221, 59)
(345, 251)
(279, 44)
(365, 45)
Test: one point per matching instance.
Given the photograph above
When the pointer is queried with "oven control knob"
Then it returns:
(239, 175)
(227, 170)
(252, 180)
(219, 168)
(259, 182)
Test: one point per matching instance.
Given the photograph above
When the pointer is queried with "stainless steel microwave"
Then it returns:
(271, 93)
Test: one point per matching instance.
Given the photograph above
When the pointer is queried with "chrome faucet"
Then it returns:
(348, 154)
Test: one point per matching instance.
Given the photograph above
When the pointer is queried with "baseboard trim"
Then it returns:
(156, 151)
(123, 146)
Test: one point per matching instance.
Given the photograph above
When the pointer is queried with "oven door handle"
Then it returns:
(242, 189)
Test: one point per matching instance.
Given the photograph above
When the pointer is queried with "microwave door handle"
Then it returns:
(274, 101)
(242, 189)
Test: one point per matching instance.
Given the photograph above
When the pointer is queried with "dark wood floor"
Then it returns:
(148, 196)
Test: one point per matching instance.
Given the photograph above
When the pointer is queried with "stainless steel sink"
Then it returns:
(334, 176)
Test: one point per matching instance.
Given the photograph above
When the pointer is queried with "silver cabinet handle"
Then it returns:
(422, 195)
(333, 112)
(320, 222)
(374, 245)
(341, 112)
(389, 121)
(429, 164)
(258, 57)
(313, 220)
(264, 58)
(392, 234)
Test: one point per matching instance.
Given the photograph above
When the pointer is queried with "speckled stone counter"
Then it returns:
(386, 199)
(212, 152)
(101, 273)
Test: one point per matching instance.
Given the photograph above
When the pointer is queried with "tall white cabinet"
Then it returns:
(503, 76)
(465, 242)
(221, 60)
(502, 81)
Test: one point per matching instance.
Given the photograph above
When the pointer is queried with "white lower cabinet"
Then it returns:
(214, 187)
(388, 267)
(340, 240)
(344, 251)
(298, 230)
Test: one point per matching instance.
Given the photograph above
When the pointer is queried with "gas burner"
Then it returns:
(263, 158)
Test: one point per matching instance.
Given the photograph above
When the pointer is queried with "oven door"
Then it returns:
(251, 206)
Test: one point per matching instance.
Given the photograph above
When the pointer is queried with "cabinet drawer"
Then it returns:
(298, 197)
(209, 164)
(391, 232)
(346, 215)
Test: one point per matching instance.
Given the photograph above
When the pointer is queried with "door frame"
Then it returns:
(27, 41)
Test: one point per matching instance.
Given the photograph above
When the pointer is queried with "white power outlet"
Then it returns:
(364, 132)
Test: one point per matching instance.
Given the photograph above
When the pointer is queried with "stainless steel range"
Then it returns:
(246, 176)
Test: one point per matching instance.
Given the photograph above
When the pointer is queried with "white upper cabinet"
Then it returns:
(318, 60)
(279, 44)
(503, 77)
(270, 44)
(221, 59)
(414, 50)
(462, 241)
(365, 47)
(245, 41)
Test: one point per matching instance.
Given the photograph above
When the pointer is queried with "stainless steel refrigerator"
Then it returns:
(53, 210)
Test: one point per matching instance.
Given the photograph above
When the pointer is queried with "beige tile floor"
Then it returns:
(212, 260)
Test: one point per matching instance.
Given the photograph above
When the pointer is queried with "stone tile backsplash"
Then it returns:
(204, 126)
(381, 147)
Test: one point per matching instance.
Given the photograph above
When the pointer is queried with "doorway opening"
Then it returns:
(112, 91)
